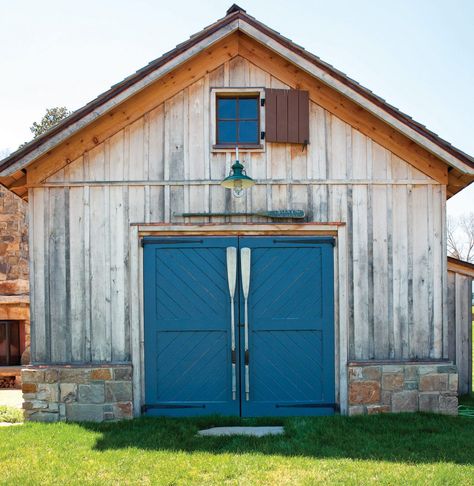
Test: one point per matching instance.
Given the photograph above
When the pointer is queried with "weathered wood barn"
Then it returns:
(143, 302)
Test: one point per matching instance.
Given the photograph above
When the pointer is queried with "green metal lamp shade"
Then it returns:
(237, 179)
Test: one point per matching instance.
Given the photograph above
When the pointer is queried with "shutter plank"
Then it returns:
(270, 115)
(303, 117)
(293, 116)
(282, 116)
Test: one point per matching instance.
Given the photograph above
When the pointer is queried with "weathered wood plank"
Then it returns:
(77, 275)
(39, 302)
(101, 346)
(57, 280)
(420, 338)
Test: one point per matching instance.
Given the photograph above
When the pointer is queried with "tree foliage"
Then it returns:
(461, 237)
(51, 118)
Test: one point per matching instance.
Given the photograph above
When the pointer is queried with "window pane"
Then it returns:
(226, 108)
(248, 132)
(248, 108)
(227, 132)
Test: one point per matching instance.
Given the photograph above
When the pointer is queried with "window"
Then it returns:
(10, 343)
(237, 120)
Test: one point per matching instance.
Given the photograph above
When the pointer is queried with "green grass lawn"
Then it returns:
(390, 449)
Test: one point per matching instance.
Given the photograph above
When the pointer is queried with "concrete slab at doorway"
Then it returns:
(252, 431)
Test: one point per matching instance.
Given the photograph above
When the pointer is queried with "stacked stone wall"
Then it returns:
(77, 393)
(414, 387)
(13, 238)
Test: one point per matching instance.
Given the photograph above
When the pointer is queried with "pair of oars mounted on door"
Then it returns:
(232, 279)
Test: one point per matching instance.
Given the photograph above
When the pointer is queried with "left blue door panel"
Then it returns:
(187, 327)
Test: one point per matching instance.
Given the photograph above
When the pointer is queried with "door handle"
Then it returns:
(245, 270)
(231, 254)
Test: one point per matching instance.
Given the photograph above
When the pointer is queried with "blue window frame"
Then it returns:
(238, 120)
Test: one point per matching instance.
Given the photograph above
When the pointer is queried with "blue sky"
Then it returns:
(418, 54)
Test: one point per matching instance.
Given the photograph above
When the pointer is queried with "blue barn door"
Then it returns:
(188, 368)
(289, 366)
(283, 337)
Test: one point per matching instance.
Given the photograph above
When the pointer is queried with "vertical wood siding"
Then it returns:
(161, 165)
(460, 327)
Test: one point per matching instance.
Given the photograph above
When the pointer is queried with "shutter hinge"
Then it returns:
(262, 135)
(142, 242)
(262, 101)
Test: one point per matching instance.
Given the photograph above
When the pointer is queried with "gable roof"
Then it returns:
(461, 165)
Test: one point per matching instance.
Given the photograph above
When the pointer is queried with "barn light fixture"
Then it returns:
(237, 180)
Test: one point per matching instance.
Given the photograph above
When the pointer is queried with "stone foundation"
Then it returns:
(77, 393)
(407, 387)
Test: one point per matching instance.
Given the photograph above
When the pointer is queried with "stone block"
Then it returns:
(448, 405)
(447, 369)
(386, 398)
(356, 410)
(84, 412)
(53, 406)
(411, 385)
(62, 411)
(355, 373)
(429, 402)
(376, 409)
(48, 392)
(123, 373)
(91, 393)
(405, 401)
(364, 392)
(434, 382)
(118, 391)
(392, 369)
(453, 383)
(29, 396)
(68, 392)
(411, 373)
(51, 375)
(393, 381)
(109, 416)
(29, 387)
(44, 416)
(372, 373)
(38, 404)
(32, 376)
(123, 410)
(427, 369)
(101, 374)
(74, 375)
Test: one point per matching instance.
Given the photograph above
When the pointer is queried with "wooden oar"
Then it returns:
(277, 214)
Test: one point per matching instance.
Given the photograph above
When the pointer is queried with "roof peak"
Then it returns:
(234, 8)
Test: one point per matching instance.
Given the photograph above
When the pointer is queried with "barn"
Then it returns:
(239, 228)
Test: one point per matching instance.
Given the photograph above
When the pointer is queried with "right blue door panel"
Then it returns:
(290, 327)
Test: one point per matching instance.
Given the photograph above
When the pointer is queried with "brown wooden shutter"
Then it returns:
(287, 116)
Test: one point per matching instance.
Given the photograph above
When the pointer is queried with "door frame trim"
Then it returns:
(341, 315)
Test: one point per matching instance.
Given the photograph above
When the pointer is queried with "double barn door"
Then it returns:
(239, 326)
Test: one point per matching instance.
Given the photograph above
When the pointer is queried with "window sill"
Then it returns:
(243, 148)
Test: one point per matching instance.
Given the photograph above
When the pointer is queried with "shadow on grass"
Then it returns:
(408, 438)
